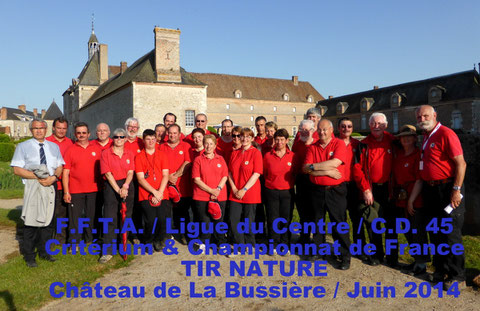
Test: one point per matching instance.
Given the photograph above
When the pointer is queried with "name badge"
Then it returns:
(420, 166)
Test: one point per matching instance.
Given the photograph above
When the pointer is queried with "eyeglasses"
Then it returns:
(78, 133)
(132, 127)
(346, 126)
(117, 137)
(38, 128)
(201, 121)
(236, 135)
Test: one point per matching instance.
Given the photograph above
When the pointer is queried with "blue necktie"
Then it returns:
(43, 158)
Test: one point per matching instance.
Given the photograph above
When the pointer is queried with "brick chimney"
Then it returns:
(330, 96)
(295, 80)
(103, 63)
(3, 114)
(35, 112)
(167, 55)
(123, 67)
(43, 113)
(375, 87)
(22, 108)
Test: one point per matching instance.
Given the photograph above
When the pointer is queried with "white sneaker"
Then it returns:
(105, 259)
(202, 248)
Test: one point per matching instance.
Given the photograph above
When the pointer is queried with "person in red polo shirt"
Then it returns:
(178, 152)
(160, 133)
(117, 164)
(314, 114)
(225, 142)
(209, 173)
(170, 119)
(371, 172)
(103, 136)
(200, 123)
(407, 186)
(442, 168)
(345, 130)
(279, 173)
(197, 149)
(81, 175)
(270, 129)
(325, 163)
(245, 168)
(302, 182)
(261, 137)
(59, 129)
(152, 169)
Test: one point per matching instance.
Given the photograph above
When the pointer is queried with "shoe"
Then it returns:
(438, 277)
(318, 257)
(344, 264)
(105, 259)
(286, 254)
(273, 253)
(136, 241)
(418, 269)
(31, 263)
(182, 240)
(157, 246)
(461, 285)
(202, 248)
(393, 264)
(47, 257)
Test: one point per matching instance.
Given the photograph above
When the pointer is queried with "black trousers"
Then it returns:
(159, 214)
(380, 195)
(241, 212)
(418, 222)
(331, 199)
(201, 215)
(436, 198)
(302, 200)
(260, 208)
(352, 207)
(137, 211)
(83, 205)
(391, 213)
(36, 237)
(279, 204)
(60, 212)
(182, 210)
(112, 207)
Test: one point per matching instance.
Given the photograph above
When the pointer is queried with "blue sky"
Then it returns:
(340, 47)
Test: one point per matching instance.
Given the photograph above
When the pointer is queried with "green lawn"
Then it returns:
(11, 186)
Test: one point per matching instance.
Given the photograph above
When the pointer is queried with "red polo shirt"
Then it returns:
(165, 139)
(84, 166)
(177, 156)
(119, 167)
(210, 171)
(349, 161)
(136, 146)
(300, 150)
(224, 149)
(154, 164)
(438, 154)
(189, 138)
(242, 165)
(335, 149)
(267, 146)
(377, 159)
(259, 140)
(279, 173)
(314, 135)
(405, 173)
(63, 145)
(194, 154)
(107, 145)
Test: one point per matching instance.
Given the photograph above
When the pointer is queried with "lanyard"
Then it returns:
(425, 143)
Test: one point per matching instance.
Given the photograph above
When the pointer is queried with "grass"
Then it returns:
(10, 217)
(11, 186)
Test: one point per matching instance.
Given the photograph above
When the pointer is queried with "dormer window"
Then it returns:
(366, 103)
(286, 97)
(395, 100)
(435, 93)
(238, 94)
(310, 98)
(342, 107)
(323, 109)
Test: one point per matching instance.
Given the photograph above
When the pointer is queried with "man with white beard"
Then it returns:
(442, 168)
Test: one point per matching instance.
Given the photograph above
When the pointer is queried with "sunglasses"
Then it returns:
(236, 135)
(202, 121)
(117, 137)
(347, 126)
(83, 133)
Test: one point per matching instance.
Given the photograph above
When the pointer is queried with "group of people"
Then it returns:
(238, 176)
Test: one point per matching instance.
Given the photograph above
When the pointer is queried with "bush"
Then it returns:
(212, 129)
(8, 180)
(21, 140)
(6, 151)
(4, 138)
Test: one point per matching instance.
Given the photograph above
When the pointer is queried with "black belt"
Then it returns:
(438, 182)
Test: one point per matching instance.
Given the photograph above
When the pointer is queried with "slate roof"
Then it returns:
(93, 38)
(53, 112)
(224, 86)
(461, 85)
(13, 112)
(140, 71)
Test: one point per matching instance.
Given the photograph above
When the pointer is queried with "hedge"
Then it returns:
(6, 151)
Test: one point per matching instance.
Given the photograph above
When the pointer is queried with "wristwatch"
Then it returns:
(245, 189)
(310, 167)
(457, 187)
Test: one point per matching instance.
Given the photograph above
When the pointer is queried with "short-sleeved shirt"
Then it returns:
(243, 164)
(260, 140)
(349, 160)
(84, 166)
(64, 145)
(438, 155)
(405, 173)
(27, 154)
(165, 139)
(300, 149)
(136, 146)
(107, 145)
(118, 166)
(267, 146)
(176, 157)
(210, 171)
(279, 173)
(152, 166)
(189, 137)
(224, 149)
(335, 149)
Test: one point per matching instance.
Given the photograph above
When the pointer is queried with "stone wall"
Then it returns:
(471, 149)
